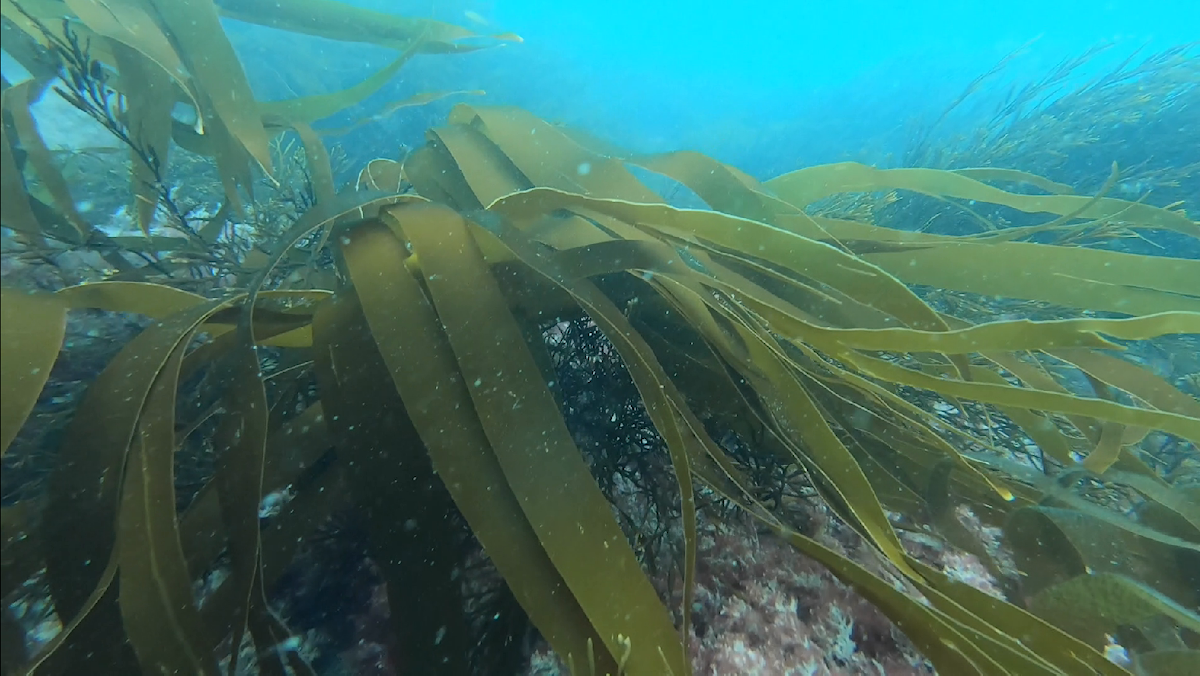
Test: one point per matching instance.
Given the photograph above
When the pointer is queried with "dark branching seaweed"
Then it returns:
(87, 88)
(85, 84)
(604, 412)
(502, 636)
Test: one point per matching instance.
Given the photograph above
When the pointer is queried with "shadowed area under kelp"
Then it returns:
(531, 390)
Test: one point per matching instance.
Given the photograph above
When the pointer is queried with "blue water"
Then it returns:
(772, 85)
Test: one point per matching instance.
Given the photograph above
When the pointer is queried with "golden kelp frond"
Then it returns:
(805, 186)
(391, 108)
(432, 391)
(345, 22)
(309, 109)
(1015, 176)
(602, 177)
(31, 330)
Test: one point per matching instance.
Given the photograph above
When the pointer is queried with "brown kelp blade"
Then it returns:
(31, 331)
(531, 442)
(422, 364)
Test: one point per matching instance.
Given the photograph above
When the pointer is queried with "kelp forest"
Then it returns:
(519, 401)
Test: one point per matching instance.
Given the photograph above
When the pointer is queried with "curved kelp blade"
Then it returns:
(1014, 625)
(665, 405)
(346, 22)
(1091, 606)
(194, 27)
(83, 513)
(805, 186)
(1168, 662)
(17, 100)
(1098, 279)
(391, 108)
(242, 435)
(31, 333)
(157, 606)
(540, 462)
(16, 210)
(849, 274)
(309, 109)
(408, 511)
(381, 175)
(422, 364)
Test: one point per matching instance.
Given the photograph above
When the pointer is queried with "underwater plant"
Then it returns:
(394, 350)
(1074, 128)
(1062, 123)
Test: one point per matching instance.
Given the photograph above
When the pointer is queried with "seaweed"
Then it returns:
(748, 346)
(164, 51)
(1075, 125)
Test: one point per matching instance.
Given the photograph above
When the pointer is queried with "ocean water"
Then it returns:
(772, 86)
(640, 338)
